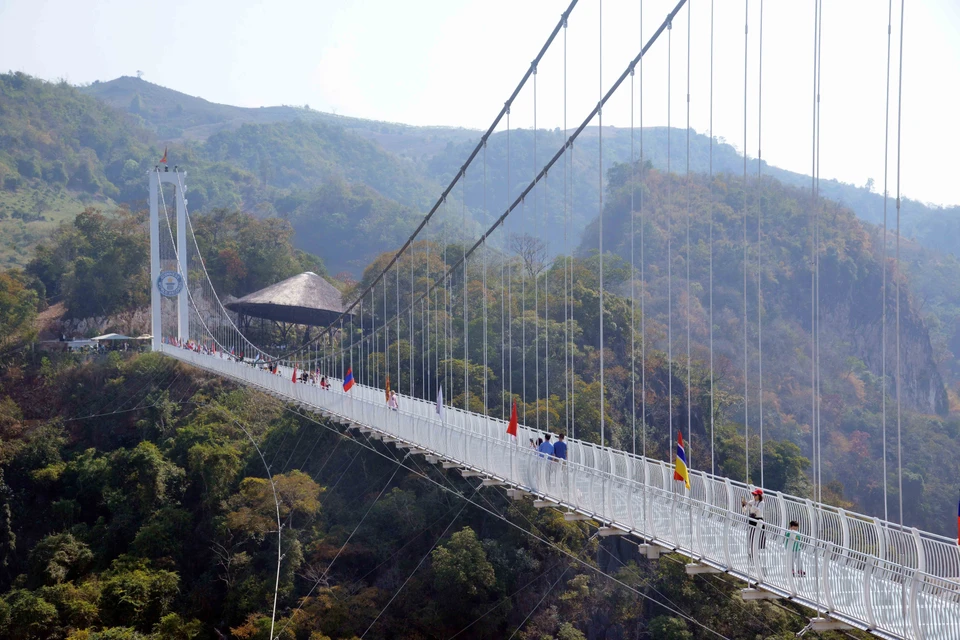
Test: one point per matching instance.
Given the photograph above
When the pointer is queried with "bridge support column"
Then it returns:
(155, 317)
(183, 300)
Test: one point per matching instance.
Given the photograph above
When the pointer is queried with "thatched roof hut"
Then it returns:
(305, 299)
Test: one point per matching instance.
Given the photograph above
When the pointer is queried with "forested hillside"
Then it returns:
(850, 329)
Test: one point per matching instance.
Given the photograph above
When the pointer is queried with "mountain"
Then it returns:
(59, 151)
(177, 117)
(850, 312)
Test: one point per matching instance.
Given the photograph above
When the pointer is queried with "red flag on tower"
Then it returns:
(163, 160)
(512, 427)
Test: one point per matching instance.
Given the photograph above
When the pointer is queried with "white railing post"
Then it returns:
(921, 555)
(868, 568)
(731, 520)
(916, 584)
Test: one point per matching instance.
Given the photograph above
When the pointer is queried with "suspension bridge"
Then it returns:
(851, 570)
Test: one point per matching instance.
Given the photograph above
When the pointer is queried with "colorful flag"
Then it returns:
(440, 402)
(163, 160)
(680, 469)
(387, 388)
(512, 427)
(294, 378)
(348, 380)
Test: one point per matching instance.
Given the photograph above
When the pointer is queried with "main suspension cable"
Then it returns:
(569, 143)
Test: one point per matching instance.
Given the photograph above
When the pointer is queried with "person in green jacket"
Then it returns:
(793, 543)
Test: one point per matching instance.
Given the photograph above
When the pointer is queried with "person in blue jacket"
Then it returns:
(560, 448)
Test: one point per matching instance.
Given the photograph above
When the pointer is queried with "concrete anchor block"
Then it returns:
(491, 482)
(573, 516)
(517, 494)
(543, 504)
(758, 594)
(695, 569)
(651, 551)
(432, 459)
(828, 624)
(450, 465)
(612, 531)
(469, 473)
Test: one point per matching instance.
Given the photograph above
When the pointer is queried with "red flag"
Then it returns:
(387, 389)
(163, 160)
(294, 378)
(512, 427)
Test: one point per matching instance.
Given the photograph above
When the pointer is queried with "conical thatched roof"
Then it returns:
(303, 299)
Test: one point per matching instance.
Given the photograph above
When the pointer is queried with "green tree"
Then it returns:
(30, 615)
(669, 628)
(58, 558)
(135, 593)
(18, 306)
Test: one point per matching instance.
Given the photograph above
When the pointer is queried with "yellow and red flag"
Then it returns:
(680, 471)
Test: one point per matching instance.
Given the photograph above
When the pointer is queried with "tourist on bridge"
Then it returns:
(560, 448)
(546, 448)
(323, 383)
(754, 511)
(393, 402)
(793, 544)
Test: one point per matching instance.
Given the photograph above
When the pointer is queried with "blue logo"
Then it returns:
(170, 283)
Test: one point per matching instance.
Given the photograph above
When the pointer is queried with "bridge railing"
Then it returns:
(900, 582)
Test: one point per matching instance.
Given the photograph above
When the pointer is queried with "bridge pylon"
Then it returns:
(169, 274)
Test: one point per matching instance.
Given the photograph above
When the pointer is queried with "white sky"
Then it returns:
(454, 62)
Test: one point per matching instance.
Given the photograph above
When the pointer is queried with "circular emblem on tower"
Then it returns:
(170, 283)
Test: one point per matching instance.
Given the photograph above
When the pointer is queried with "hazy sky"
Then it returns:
(454, 62)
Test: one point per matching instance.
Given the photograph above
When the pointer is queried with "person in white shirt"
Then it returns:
(754, 511)
(393, 403)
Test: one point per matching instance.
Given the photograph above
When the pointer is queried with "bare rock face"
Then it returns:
(855, 315)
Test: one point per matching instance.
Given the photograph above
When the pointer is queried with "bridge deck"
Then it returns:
(895, 582)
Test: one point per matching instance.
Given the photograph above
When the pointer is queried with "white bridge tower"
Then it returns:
(168, 280)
